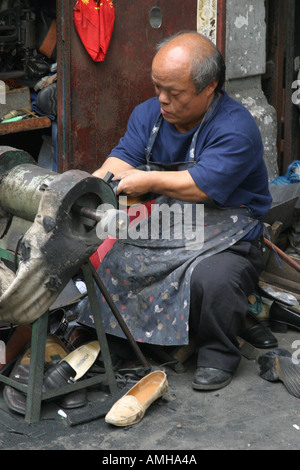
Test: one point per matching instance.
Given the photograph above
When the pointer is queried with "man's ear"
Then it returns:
(211, 87)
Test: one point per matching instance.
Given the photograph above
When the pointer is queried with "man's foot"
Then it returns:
(208, 378)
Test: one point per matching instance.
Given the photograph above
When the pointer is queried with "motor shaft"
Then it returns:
(112, 221)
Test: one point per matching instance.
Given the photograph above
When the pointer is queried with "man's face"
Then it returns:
(180, 104)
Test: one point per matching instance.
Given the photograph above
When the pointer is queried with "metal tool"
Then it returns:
(51, 219)
(52, 212)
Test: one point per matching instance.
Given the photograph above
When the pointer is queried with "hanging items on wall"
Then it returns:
(94, 22)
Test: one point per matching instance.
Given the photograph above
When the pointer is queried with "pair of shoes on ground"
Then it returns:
(282, 317)
(208, 378)
(62, 367)
(131, 408)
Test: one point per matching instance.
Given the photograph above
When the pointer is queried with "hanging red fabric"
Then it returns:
(94, 23)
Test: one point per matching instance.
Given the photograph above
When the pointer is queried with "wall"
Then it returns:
(246, 62)
(245, 56)
(96, 99)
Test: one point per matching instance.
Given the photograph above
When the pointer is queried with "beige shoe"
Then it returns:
(131, 408)
(82, 358)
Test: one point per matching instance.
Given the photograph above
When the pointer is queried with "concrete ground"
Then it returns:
(249, 414)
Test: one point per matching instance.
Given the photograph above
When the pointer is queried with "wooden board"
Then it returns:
(29, 124)
(16, 99)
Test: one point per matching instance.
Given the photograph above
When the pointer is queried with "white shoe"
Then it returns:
(131, 408)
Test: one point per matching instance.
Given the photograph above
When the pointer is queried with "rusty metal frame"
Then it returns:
(281, 23)
(64, 17)
(221, 26)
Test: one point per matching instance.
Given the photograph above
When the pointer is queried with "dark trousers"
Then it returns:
(220, 286)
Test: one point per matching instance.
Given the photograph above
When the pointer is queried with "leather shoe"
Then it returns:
(281, 317)
(209, 378)
(58, 376)
(131, 408)
(72, 400)
(16, 400)
(267, 365)
(260, 337)
(47, 99)
(72, 367)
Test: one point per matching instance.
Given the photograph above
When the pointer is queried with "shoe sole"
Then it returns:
(82, 358)
(282, 327)
(267, 365)
(288, 370)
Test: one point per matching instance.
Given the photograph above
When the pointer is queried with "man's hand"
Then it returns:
(113, 165)
(133, 183)
(176, 184)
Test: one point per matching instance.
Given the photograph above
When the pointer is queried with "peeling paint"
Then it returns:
(207, 18)
(245, 46)
(245, 63)
(268, 120)
(241, 21)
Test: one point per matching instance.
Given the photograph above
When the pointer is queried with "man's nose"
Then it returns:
(163, 97)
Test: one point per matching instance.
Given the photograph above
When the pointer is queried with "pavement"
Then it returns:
(249, 414)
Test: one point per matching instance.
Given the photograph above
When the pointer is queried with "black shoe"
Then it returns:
(280, 365)
(260, 337)
(281, 317)
(208, 378)
(267, 364)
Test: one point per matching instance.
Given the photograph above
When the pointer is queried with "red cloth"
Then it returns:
(135, 215)
(94, 23)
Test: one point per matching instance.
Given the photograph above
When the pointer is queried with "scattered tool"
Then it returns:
(12, 114)
(14, 119)
(16, 115)
(283, 255)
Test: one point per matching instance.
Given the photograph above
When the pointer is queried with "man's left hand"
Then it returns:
(133, 183)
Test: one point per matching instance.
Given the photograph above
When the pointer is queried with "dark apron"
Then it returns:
(148, 278)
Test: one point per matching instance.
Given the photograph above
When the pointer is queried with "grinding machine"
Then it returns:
(49, 227)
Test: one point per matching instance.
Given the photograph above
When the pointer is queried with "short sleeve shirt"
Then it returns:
(229, 152)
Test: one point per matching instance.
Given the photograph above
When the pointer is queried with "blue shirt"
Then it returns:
(229, 153)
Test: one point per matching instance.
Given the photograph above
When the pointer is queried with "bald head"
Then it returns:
(191, 43)
(193, 52)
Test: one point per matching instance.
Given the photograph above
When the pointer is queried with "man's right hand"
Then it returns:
(113, 165)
